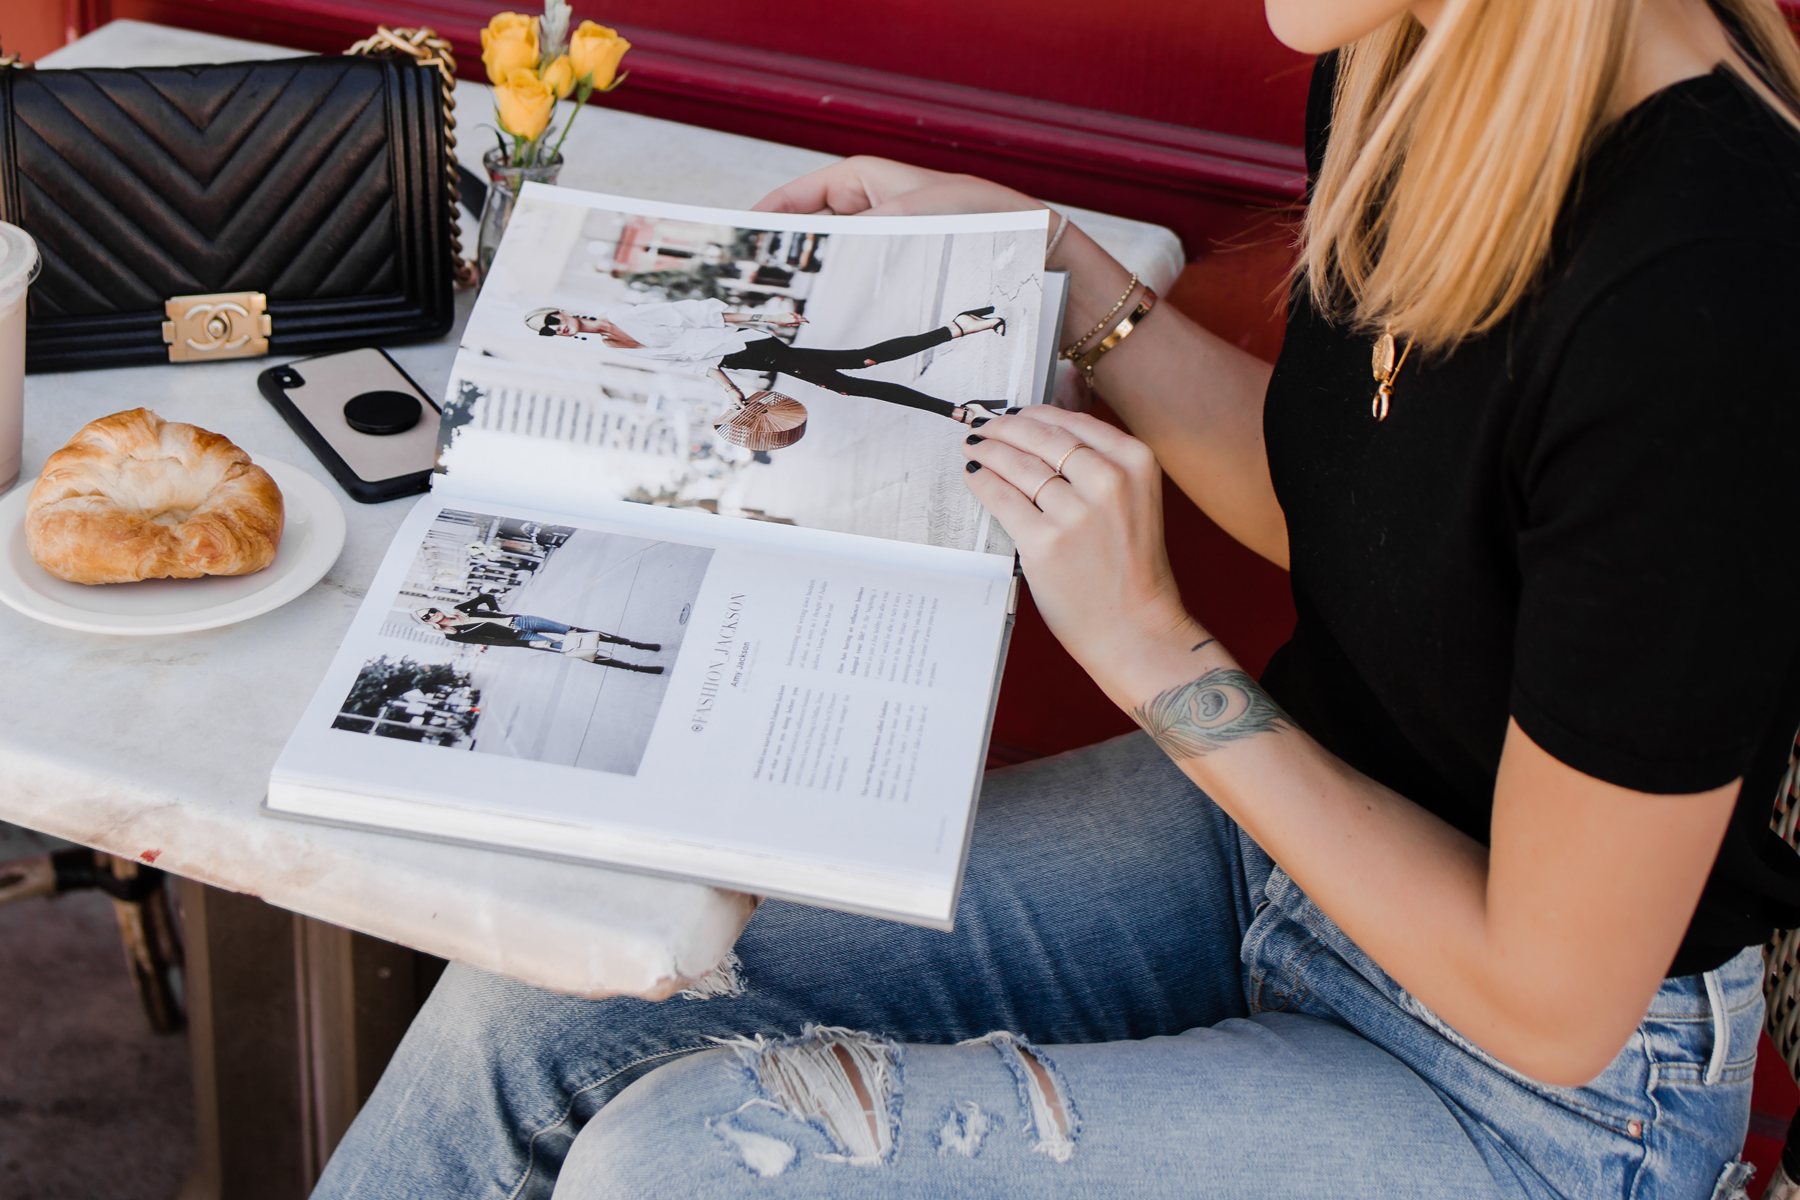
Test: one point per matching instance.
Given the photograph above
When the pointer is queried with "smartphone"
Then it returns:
(363, 417)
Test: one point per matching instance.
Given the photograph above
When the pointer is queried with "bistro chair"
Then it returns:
(141, 905)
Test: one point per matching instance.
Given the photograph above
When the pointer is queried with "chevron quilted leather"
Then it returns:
(318, 181)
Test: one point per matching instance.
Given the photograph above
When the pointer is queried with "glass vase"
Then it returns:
(504, 183)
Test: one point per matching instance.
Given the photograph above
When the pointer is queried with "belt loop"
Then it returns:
(1715, 1000)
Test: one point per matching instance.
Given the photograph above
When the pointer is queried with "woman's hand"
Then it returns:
(1196, 399)
(1091, 545)
(881, 188)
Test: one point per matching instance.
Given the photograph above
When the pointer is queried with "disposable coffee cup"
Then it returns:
(18, 267)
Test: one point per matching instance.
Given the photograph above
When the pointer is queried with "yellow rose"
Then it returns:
(525, 103)
(559, 76)
(594, 52)
(510, 41)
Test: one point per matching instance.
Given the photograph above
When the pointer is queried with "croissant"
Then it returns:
(133, 496)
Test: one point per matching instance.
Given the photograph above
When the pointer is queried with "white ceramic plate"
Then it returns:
(311, 538)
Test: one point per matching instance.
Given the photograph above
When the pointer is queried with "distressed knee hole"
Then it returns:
(844, 1083)
(1050, 1116)
(722, 982)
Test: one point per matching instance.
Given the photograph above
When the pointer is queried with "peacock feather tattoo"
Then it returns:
(1220, 707)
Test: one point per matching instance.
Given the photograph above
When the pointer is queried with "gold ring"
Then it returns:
(1040, 487)
(1065, 458)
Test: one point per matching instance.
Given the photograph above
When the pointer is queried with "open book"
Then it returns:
(699, 589)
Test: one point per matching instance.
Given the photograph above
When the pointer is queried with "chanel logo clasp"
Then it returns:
(225, 325)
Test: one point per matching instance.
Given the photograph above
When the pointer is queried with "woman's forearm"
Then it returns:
(1365, 855)
(1192, 396)
(1546, 961)
(786, 320)
(723, 380)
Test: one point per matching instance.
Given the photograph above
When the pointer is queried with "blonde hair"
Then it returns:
(1450, 156)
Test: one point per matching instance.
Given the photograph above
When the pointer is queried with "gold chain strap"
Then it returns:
(426, 48)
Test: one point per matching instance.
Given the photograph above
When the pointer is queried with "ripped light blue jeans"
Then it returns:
(1136, 1003)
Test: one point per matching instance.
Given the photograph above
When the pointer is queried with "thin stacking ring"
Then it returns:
(1058, 468)
(1040, 487)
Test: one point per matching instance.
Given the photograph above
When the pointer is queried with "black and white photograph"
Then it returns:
(819, 378)
(530, 640)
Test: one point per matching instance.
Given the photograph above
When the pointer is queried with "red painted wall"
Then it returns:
(1196, 64)
(1209, 64)
(1205, 64)
(954, 114)
(33, 28)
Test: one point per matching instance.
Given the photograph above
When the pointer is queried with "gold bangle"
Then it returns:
(1074, 347)
(1086, 362)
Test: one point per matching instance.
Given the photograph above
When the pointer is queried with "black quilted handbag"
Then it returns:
(197, 213)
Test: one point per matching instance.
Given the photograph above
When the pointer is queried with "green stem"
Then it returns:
(581, 97)
(500, 138)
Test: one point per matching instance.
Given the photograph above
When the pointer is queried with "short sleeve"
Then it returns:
(1659, 609)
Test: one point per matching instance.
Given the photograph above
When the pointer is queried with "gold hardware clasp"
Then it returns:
(225, 325)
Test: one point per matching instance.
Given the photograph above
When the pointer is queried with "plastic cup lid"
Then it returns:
(19, 263)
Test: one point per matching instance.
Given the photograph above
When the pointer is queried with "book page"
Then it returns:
(658, 689)
(796, 369)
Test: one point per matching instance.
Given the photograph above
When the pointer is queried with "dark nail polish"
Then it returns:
(974, 439)
(971, 467)
(1015, 409)
(978, 423)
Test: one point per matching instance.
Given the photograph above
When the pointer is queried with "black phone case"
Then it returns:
(363, 490)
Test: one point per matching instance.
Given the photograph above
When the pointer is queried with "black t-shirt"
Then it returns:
(1585, 520)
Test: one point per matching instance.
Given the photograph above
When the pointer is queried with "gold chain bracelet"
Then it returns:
(1074, 347)
(1087, 361)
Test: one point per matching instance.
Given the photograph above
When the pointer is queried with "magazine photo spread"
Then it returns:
(570, 648)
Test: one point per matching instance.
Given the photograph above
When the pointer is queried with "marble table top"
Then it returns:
(159, 748)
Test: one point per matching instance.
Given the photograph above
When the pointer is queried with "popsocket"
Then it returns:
(382, 413)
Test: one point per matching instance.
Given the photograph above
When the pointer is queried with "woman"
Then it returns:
(702, 334)
(480, 622)
(1515, 766)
